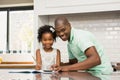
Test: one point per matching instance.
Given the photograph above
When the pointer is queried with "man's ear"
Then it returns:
(69, 24)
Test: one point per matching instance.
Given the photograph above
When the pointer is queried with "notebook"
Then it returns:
(33, 71)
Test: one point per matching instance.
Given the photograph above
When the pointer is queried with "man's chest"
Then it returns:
(76, 51)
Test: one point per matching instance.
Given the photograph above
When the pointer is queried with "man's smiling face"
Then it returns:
(63, 31)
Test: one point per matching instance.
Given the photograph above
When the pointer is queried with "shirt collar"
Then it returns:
(71, 35)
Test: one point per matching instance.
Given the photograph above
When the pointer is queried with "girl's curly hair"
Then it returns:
(46, 29)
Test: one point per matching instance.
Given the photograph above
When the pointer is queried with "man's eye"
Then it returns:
(63, 30)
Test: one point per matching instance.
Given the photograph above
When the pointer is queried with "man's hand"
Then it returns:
(59, 68)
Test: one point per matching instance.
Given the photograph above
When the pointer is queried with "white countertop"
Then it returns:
(5, 75)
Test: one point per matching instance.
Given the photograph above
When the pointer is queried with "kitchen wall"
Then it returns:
(104, 25)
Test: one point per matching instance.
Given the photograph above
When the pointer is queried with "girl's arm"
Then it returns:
(38, 60)
(58, 58)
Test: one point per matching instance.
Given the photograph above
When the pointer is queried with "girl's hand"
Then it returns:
(54, 67)
(38, 67)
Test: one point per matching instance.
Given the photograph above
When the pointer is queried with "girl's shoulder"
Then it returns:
(57, 50)
(37, 50)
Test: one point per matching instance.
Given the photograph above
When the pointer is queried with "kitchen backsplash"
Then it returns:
(104, 25)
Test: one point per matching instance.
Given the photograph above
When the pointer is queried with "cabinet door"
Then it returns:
(50, 7)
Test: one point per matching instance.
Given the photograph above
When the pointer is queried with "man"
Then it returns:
(85, 53)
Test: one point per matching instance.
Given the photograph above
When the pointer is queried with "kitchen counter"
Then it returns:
(17, 61)
(20, 66)
(55, 76)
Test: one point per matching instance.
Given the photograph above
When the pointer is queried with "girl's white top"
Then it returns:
(48, 58)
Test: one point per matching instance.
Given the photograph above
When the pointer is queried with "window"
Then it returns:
(3, 30)
(16, 30)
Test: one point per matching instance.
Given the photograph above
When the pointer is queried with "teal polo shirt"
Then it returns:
(81, 40)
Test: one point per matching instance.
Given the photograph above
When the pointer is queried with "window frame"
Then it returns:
(8, 9)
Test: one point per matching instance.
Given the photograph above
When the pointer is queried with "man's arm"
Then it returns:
(92, 60)
(71, 61)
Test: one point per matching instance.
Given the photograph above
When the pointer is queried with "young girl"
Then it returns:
(47, 55)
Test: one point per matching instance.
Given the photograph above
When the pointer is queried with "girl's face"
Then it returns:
(47, 40)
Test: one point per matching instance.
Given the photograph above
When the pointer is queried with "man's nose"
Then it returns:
(61, 33)
(47, 42)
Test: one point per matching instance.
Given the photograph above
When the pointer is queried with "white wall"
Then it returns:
(105, 26)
